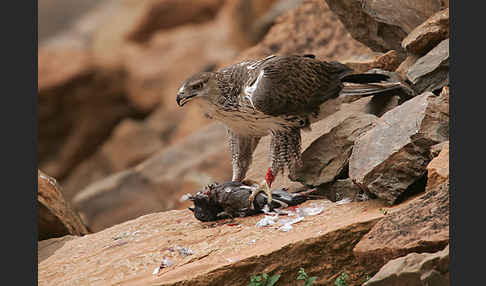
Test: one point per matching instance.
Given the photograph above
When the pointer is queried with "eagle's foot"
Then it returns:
(263, 187)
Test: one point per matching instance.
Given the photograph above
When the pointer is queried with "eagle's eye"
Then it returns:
(198, 85)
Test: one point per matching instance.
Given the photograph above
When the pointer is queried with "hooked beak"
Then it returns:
(182, 98)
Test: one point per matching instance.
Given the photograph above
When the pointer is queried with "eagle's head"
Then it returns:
(200, 86)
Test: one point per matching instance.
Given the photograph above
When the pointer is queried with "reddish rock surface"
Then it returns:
(415, 269)
(438, 169)
(378, 24)
(69, 95)
(164, 14)
(128, 253)
(428, 34)
(324, 35)
(422, 226)
(388, 61)
(55, 216)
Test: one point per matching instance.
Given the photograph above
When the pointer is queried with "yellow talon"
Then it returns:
(263, 187)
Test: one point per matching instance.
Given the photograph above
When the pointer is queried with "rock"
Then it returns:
(136, 140)
(55, 216)
(378, 25)
(431, 72)
(54, 16)
(394, 154)
(428, 34)
(388, 62)
(253, 18)
(324, 35)
(156, 15)
(128, 253)
(435, 150)
(341, 189)
(403, 68)
(421, 226)
(438, 169)
(328, 155)
(159, 182)
(415, 269)
(71, 89)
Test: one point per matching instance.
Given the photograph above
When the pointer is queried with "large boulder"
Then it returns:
(173, 248)
(394, 154)
(56, 217)
(383, 24)
(422, 225)
(415, 269)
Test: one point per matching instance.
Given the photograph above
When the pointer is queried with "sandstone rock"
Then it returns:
(438, 169)
(159, 182)
(55, 216)
(388, 61)
(71, 89)
(403, 68)
(428, 34)
(130, 143)
(253, 18)
(328, 155)
(158, 15)
(383, 24)
(435, 150)
(431, 71)
(129, 252)
(415, 269)
(324, 35)
(394, 154)
(421, 226)
(54, 16)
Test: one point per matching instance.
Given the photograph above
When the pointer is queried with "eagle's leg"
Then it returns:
(263, 187)
(284, 151)
(241, 148)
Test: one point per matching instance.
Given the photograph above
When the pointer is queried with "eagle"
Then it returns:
(278, 95)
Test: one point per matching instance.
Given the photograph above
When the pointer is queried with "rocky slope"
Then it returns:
(387, 157)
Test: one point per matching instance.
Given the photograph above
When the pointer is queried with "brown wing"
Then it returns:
(293, 84)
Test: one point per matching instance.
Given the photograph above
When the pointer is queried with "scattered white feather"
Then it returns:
(267, 220)
(343, 201)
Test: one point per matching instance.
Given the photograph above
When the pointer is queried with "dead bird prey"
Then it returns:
(230, 199)
(277, 95)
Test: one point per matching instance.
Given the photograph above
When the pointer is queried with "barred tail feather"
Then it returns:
(369, 89)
